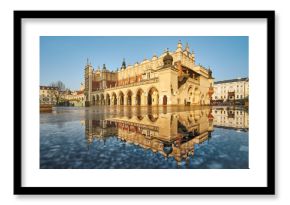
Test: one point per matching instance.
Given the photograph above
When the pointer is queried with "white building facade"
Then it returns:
(231, 90)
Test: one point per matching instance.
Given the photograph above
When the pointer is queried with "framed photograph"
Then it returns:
(144, 102)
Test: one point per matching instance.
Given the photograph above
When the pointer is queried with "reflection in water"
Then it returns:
(170, 134)
(226, 117)
(153, 137)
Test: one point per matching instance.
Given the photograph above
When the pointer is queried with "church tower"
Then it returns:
(168, 75)
(88, 83)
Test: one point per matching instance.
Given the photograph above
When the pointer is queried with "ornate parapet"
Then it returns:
(143, 82)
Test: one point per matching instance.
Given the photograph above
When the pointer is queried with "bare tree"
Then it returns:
(59, 90)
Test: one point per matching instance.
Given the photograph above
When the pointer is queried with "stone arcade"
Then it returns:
(170, 79)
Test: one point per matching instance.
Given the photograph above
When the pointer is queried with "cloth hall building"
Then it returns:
(170, 79)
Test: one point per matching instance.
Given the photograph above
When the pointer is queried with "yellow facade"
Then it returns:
(170, 79)
(47, 95)
(170, 134)
(76, 98)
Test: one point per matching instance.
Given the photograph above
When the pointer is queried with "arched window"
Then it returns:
(164, 100)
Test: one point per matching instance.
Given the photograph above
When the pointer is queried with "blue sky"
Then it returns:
(64, 57)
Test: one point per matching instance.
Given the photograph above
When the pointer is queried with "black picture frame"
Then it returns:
(19, 189)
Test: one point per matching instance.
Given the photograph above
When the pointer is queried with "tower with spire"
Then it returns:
(187, 48)
(179, 46)
(88, 82)
(123, 64)
(171, 73)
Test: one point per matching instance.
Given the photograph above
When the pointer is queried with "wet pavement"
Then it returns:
(144, 138)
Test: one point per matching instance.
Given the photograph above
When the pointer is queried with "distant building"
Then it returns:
(230, 118)
(76, 98)
(231, 90)
(173, 78)
(47, 95)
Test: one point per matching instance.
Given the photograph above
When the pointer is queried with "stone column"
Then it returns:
(118, 100)
(143, 99)
(133, 100)
(125, 100)
(112, 101)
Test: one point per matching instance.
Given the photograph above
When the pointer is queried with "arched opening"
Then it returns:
(153, 114)
(139, 117)
(94, 100)
(202, 100)
(139, 113)
(102, 99)
(190, 94)
(129, 97)
(196, 96)
(164, 100)
(121, 98)
(149, 98)
(153, 97)
(98, 100)
(153, 117)
(140, 97)
(108, 99)
(114, 99)
(129, 113)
